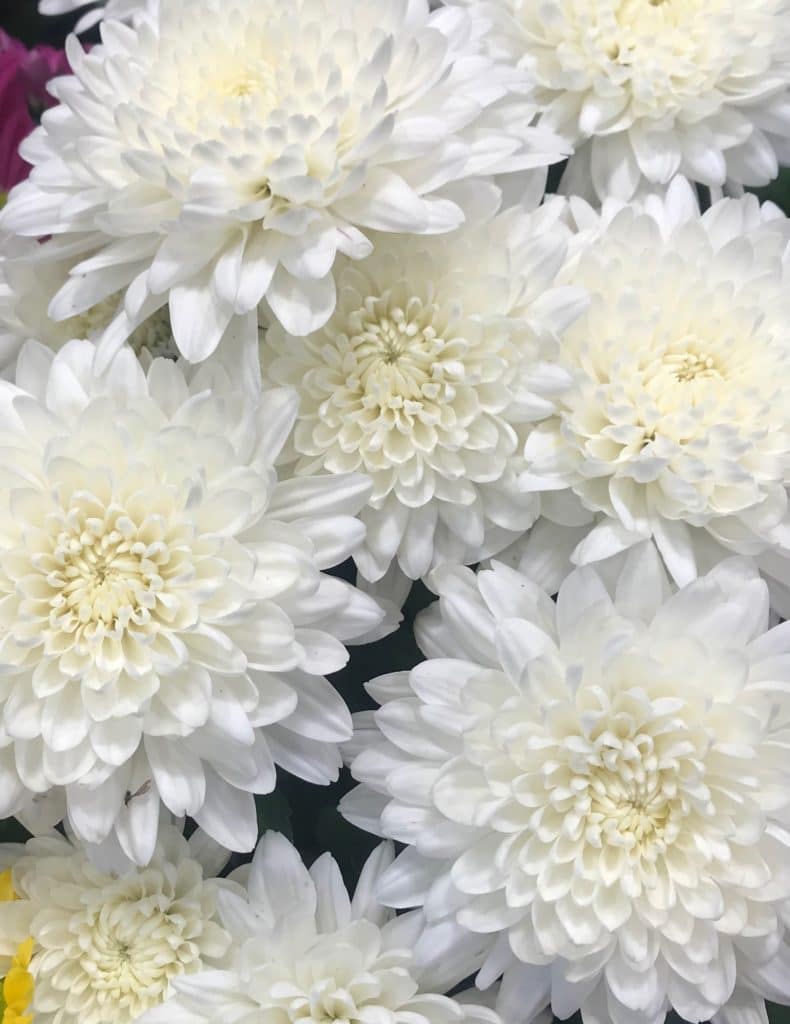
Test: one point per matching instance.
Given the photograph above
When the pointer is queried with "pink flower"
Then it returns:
(23, 79)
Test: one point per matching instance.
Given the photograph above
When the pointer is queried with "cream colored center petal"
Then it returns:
(647, 58)
(690, 366)
(630, 804)
(689, 373)
(104, 577)
(124, 951)
(396, 353)
(97, 583)
(252, 87)
(107, 572)
(154, 334)
(395, 387)
(630, 778)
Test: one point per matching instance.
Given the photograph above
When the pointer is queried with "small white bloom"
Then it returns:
(222, 152)
(646, 89)
(165, 625)
(676, 427)
(439, 356)
(107, 945)
(305, 951)
(27, 286)
(123, 10)
(595, 792)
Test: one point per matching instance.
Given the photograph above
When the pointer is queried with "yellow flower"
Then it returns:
(17, 988)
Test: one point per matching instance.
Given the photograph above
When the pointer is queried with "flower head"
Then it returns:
(23, 79)
(244, 144)
(675, 427)
(106, 946)
(439, 356)
(166, 624)
(646, 89)
(305, 951)
(595, 790)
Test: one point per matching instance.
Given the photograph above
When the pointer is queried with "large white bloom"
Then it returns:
(123, 10)
(224, 151)
(676, 425)
(108, 945)
(439, 355)
(646, 89)
(165, 625)
(304, 951)
(598, 789)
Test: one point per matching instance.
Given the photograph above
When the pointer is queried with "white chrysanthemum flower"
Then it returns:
(26, 290)
(646, 89)
(224, 151)
(108, 945)
(165, 623)
(122, 10)
(303, 950)
(427, 377)
(675, 427)
(595, 792)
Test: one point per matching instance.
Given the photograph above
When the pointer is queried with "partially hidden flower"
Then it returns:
(675, 426)
(16, 988)
(441, 354)
(245, 144)
(105, 945)
(120, 10)
(166, 623)
(646, 89)
(594, 792)
(29, 280)
(24, 75)
(305, 950)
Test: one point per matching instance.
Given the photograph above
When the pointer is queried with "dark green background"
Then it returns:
(308, 813)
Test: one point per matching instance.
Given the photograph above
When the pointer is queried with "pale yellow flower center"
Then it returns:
(155, 334)
(252, 80)
(630, 814)
(395, 351)
(104, 575)
(688, 366)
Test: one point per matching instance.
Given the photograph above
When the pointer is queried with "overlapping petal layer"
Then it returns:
(441, 354)
(646, 90)
(594, 793)
(165, 622)
(223, 153)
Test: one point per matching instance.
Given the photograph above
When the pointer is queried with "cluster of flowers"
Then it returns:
(285, 288)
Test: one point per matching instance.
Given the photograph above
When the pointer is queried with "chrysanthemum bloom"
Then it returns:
(107, 946)
(427, 377)
(596, 790)
(165, 626)
(646, 89)
(675, 427)
(26, 290)
(223, 153)
(304, 950)
(122, 10)
(23, 79)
